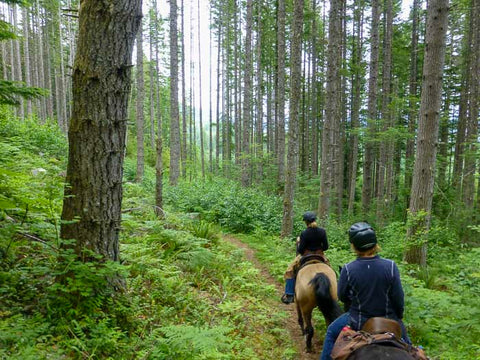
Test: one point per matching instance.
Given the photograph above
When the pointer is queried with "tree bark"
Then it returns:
(26, 55)
(101, 84)
(247, 97)
(331, 127)
(159, 159)
(259, 122)
(140, 100)
(184, 100)
(424, 169)
(412, 98)
(295, 91)
(280, 92)
(385, 162)
(202, 150)
(356, 103)
(314, 101)
(471, 145)
(18, 64)
(368, 164)
(174, 116)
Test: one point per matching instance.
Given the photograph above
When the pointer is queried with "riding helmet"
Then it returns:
(309, 217)
(362, 236)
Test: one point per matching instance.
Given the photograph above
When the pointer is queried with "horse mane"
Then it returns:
(326, 304)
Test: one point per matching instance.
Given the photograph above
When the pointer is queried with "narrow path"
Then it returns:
(291, 324)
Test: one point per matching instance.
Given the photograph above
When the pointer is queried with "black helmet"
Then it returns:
(309, 217)
(362, 236)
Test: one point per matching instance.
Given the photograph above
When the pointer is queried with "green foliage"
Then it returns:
(11, 90)
(204, 229)
(228, 204)
(187, 294)
(185, 342)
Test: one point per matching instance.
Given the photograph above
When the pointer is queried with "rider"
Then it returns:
(370, 285)
(313, 240)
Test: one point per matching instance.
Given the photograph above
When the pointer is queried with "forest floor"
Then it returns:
(291, 322)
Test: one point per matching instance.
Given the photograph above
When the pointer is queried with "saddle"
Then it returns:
(383, 333)
(380, 325)
(312, 259)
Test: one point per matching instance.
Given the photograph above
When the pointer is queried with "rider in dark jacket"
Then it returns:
(370, 285)
(313, 240)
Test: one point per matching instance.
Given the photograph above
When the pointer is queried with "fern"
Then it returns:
(184, 342)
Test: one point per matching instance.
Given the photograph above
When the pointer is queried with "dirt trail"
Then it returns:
(291, 323)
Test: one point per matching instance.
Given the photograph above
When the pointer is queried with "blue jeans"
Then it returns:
(333, 331)
(335, 328)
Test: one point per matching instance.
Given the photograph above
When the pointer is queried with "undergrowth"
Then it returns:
(186, 294)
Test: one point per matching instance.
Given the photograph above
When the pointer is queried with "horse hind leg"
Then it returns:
(300, 318)
(308, 331)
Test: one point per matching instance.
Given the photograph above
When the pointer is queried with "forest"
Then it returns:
(156, 158)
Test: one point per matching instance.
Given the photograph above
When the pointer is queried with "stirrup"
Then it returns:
(288, 298)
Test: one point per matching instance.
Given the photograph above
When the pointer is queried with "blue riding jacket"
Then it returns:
(372, 287)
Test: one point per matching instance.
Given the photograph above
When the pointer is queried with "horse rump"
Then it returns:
(375, 351)
(327, 305)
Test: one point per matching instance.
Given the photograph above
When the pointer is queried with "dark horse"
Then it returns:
(316, 285)
(375, 352)
(389, 348)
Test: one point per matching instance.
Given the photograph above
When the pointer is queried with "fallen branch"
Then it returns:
(36, 239)
(131, 209)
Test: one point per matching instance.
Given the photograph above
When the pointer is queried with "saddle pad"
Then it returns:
(350, 340)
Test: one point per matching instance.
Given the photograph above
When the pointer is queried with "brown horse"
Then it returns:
(316, 285)
(375, 351)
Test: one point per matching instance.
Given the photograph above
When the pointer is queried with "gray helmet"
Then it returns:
(309, 217)
(362, 236)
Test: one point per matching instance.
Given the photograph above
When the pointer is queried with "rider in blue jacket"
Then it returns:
(370, 286)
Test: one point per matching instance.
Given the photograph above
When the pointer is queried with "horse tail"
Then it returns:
(327, 305)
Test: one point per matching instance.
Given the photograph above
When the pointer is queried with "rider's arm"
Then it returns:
(325, 242)
(397, 296)
(342, 290)
(301, 245)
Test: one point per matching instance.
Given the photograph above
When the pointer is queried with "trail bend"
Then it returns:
(291, 323)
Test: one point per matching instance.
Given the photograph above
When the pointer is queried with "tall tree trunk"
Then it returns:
(159, 143)
(26, 55)
(217, 134)
(151, 74)
(331, 127)
(368, 163)
(295, 89)
(47, 70)
(18, 63)
(280, 91)
(386, 118)
(424, 172)
(39, 62)
(259, 123)
(412, 98)
(60, 77)
(314, 101)
(471, 145)
(101, 86)
(210, 124)
(202, 150)
(174, 117)
(140, 100)
(237, 85)
(357, 56)
(247, 97)
(184, 151)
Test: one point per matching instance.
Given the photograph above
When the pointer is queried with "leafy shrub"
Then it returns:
(228, 204)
